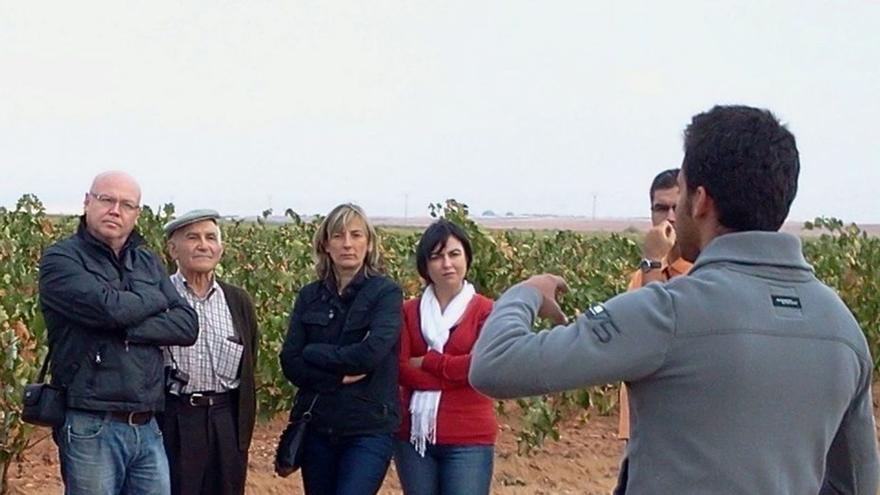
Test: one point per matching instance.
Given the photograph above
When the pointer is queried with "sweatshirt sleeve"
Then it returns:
(625, 339)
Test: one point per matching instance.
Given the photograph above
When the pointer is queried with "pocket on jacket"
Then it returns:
(143, 284)
(319, 318)
(357, 327)
(373, 409)
(100, 271)
(106, 381)
(152, 368)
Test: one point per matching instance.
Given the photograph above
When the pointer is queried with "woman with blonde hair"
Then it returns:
(341, 354)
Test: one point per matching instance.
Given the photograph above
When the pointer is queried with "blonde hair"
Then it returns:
(336, 221)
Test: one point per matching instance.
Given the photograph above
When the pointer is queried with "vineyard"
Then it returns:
(273, 261)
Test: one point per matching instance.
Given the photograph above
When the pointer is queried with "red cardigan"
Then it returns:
(465, 417)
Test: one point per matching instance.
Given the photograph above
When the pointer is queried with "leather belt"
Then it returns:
(131, 417)
(205, 399)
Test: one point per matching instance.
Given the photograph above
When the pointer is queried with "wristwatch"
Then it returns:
(647, 265)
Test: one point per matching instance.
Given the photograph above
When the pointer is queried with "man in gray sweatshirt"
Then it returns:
(747, 377)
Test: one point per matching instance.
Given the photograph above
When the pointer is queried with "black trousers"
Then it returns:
(202, 447)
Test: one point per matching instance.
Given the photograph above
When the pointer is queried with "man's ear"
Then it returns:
(702, 205)
(172, 249)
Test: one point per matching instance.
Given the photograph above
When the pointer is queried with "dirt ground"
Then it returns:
(583, 461)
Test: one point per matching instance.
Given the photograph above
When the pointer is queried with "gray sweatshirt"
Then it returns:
(749, 376)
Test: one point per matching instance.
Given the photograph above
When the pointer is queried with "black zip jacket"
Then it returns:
(106, 318)
(334, 335)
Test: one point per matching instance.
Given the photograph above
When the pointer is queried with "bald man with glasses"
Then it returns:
(109, 306)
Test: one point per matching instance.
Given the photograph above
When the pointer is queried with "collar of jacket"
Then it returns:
(350, 290)
(133, 242)
(754, 248)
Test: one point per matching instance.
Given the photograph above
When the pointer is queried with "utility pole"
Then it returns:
(406, 208)
(594, 205)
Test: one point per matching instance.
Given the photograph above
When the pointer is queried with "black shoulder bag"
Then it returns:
(43, 404)
(289, 456)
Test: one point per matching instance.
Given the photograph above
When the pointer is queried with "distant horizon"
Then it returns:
(791, 224)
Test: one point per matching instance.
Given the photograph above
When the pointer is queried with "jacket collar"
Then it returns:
(133, 242)
(755, 248)
(352, 288)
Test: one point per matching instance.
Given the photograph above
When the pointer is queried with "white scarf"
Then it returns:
(435, 325)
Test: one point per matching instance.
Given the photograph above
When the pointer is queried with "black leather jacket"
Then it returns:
(106, 318)
(332, 336)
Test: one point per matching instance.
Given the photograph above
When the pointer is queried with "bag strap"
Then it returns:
(307, 416)
(45, 366)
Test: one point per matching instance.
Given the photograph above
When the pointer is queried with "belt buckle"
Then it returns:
(130, 420)
(193, 397)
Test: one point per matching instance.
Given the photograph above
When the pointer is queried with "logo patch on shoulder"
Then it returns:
(786, 301)
(600, 323)
(596, 312)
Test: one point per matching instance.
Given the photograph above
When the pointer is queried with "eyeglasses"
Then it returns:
(109, 202)
(661, 208)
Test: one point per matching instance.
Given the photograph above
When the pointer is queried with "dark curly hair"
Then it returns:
(748, 163)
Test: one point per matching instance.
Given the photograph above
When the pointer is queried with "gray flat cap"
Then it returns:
(189, 218)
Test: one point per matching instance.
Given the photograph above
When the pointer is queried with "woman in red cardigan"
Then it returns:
(447, 437)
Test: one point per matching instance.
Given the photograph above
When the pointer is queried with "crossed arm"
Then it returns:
(144, 313)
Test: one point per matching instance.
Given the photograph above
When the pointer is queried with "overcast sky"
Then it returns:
(523, 106)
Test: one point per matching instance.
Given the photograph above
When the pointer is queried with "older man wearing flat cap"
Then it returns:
(211, 403)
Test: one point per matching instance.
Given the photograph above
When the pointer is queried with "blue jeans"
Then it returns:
(100, 455)
(345, 465)
(445, 469)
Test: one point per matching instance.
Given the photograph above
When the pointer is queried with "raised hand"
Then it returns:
(659, 241)
(550, 286)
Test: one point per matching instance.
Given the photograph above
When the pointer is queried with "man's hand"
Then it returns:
(549, 286)
(659, 241)
(348, 379)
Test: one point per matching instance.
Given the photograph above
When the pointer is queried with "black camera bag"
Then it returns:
(43, 404)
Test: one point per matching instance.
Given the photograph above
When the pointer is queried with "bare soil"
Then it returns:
(583, 461)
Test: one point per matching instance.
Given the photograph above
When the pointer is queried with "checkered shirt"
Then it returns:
(213, 361)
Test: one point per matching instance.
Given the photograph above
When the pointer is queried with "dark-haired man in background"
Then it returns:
(748, 375)
(662, 259)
